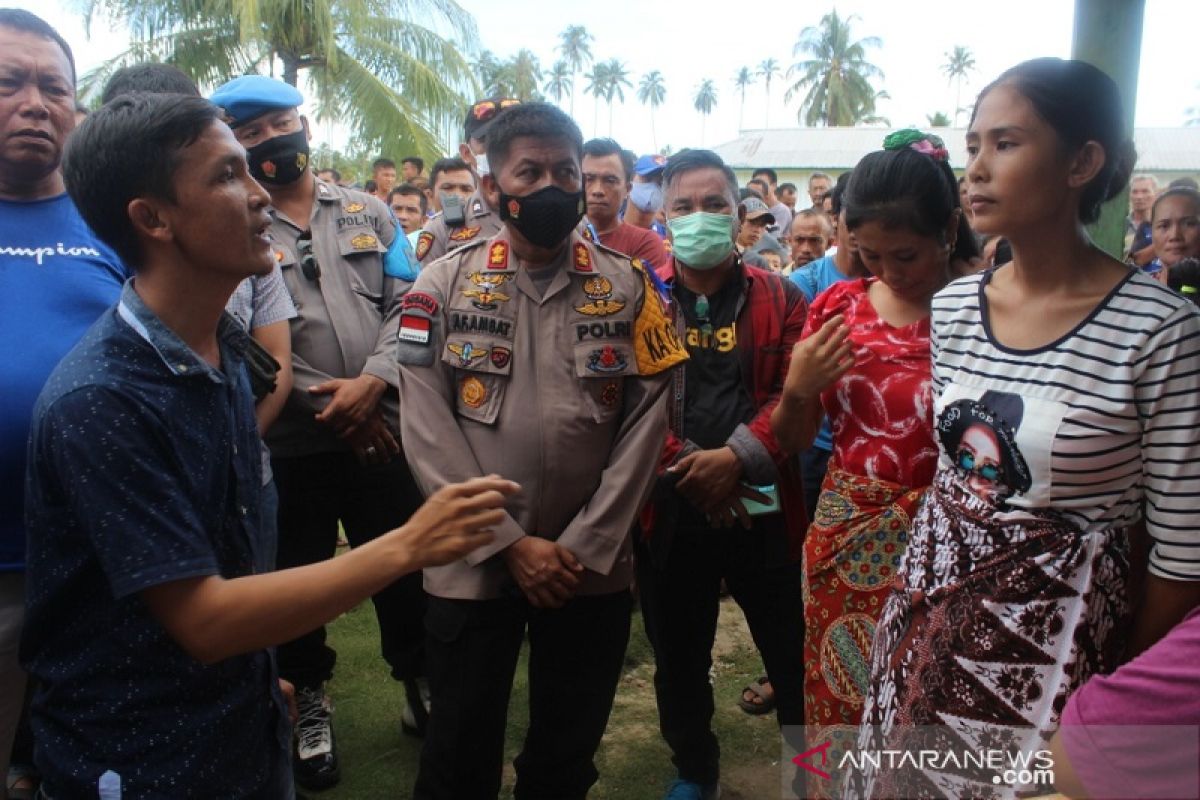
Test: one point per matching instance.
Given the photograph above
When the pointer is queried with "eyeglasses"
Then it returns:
(308, 261)
(966, 460)
(702, 310)
(486, 109)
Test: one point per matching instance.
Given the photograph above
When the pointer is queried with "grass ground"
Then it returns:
(378, 761)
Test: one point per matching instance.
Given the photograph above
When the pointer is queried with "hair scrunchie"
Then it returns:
(924, 143)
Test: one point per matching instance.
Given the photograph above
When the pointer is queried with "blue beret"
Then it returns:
(251, 96)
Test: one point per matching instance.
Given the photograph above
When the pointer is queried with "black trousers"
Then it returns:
(680, 603)
(315, 492)
(575, 657)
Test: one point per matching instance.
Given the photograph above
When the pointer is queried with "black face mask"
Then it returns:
(545, 217)
(280, 161)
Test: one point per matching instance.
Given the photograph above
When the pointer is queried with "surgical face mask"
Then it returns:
(702, 240)
(647, 197)
(545, 217)
(280, 161)
(481, 165)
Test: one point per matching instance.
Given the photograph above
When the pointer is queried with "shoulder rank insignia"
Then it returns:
(599, 291)
(485, 297)
(364, 241)
(424, 242)
(583, 258)
(467, 353)
(498, 255)
(353, 206)
(465, 234)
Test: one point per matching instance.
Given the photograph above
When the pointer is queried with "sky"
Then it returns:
(691, 41)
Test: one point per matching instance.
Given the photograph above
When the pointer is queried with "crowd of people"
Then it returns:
(935, 443)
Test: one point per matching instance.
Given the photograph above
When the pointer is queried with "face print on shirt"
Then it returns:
(980, 438)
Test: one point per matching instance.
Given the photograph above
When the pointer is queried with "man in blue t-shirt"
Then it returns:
(149, 620)
(814, 278)
(56, 278)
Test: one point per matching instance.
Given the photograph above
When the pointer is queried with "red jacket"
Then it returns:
(770, 318)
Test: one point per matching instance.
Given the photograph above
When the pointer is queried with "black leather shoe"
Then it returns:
(314, 752)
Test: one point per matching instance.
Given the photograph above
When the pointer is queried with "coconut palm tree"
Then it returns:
(617, 82)
(558, 82)
(768, 70)
(651, 92)
(597, 87)
(704, 102)
(525, 73)
(575, 47)
(743, 79)
(938, 120)
(959, 62)
(836, 79)
(390, 70)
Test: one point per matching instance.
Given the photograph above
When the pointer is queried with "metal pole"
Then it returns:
(1108, 34)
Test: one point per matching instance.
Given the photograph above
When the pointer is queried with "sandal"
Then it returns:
(761, 700)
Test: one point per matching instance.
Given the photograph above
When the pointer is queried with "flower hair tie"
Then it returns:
(924, 143)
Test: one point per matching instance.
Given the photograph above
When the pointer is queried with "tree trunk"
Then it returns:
(957, 97)
(572, 95)
(653, 132)
(742, 113)
(291, 68)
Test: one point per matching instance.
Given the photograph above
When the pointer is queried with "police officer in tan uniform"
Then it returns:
(544, 357)
(480, 221)
(335, 447)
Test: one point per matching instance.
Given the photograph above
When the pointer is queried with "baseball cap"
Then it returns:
(756, 209)
(250, 96)
(648, 165)
(767, 244)
(482, 113)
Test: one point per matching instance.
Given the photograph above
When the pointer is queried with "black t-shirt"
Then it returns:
(716, 400)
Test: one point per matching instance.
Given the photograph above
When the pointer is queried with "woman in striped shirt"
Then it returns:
(1066, 414)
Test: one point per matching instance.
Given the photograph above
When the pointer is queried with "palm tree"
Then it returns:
(558, 82)
(652, 91)
(959, 62)
(743, 79)
(837, 77)
(381, 67)
(617, 81)
(525, 73)
(597, 87)
(705, 101)
(575, 46)
(938, 120)
(767, 70)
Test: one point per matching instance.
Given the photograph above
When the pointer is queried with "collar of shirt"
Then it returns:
(175, 354)
(739, 273)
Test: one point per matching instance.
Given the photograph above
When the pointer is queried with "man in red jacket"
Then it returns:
(729, 504)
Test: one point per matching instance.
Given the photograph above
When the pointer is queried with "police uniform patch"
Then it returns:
(514, 208)
(426, 302)
(599, 292)
(364, 241)
(500, 357)
(606, 360)
(656, 344)
(414, 329)
(498, 255)
(467, 353)
(278, 256)
(268, 168)
(610, 395)
(472, 392)
(465, 234)
(583, 258)
(486, 297)
(353, 206)
(424, 242)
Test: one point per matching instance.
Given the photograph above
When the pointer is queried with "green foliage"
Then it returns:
(652, 90)
(959, 62)
(560, 82)
(575, 47)
(392, 71)
(836, 79)
(517, 77)
(938, 120)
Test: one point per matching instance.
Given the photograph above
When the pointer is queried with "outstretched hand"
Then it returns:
(456, 519)
(819, 359)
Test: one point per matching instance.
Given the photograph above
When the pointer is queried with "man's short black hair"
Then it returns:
(149, 77)
(1184, 183)
(783, 187)
(17, 19)
(382, 163)
(416, 161)
(537, 120)
(337, 176)
(770, 174)
(839, 189)
(761, 192)
(454, 164)
(691, 160)
(599, 148)
(408, 190)
(128, 149)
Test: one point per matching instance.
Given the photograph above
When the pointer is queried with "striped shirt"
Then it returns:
(1091, 426)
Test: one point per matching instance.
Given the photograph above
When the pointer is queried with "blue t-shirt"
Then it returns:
(814, 278)
(56, 279)
(144, 469)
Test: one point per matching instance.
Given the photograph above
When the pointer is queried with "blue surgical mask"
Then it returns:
(647, 197)
(702, 240)
(481, 165)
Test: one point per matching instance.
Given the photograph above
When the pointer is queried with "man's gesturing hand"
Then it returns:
(456, 519)
(547, 572)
